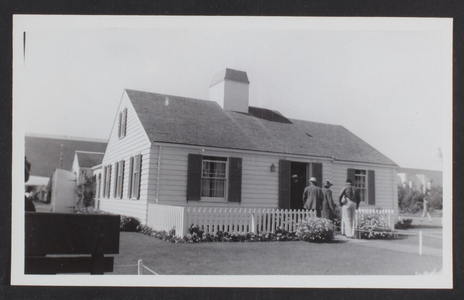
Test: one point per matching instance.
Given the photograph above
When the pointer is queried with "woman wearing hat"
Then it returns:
(327, 202)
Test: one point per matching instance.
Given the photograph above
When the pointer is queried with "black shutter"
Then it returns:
(284, 184)
(109, 181)
(120, 124)
(194, 177)
(235, 180)
(371, 187)
(350, 175)
(116, 179)
(131, 177)
(125, 122)
(139, 183)
(316, 171)
(122, 178)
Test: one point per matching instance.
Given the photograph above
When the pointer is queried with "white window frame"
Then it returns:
(359, 173)
(215, 159)
(135, 177)
(122, 123)
(120, 179)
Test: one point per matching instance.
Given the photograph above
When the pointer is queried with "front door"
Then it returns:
(298, 172)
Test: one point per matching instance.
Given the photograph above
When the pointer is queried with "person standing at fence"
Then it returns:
(28, 205)
(312, 197)
(349, 200)
(426, 205)
(327, 203)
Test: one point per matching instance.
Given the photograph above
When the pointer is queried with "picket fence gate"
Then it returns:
(237, 220)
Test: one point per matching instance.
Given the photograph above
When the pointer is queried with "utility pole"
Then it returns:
(61, 157)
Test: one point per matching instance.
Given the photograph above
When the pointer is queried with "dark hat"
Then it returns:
(327, 183)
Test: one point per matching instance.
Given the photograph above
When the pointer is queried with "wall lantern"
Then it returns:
(273, 168)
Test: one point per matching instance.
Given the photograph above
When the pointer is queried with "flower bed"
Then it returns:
(374, 227)
(196, 235)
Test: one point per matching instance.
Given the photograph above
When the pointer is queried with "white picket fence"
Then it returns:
(237, 220)
(245, 220)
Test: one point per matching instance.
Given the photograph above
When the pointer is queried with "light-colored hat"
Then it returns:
(328, 183)
(313, 179)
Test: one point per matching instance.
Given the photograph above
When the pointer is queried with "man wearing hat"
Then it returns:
(327, 202)
(312, 197)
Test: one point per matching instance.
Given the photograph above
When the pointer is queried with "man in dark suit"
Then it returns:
(312, 197)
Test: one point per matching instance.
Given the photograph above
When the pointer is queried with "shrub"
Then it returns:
(162, 235)
(374, 227)
(403, 224)
(129, 224)
(337, 217)
(315, 230)
(86, 192)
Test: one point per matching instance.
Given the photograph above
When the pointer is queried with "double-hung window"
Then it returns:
(364, 181)
(135, 176)
(122, 123)
(213, 177)
(107, 182)
(360, 179)
(119, 180)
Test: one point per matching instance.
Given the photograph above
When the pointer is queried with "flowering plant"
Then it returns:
(315, 230)
(374, 227)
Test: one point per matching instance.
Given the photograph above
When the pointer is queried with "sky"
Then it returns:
(387, 80)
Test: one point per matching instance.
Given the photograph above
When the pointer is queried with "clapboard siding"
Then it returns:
(385, 184)
(259, 184)
(135, 142)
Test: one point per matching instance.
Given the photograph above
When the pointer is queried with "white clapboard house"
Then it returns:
(168, 153)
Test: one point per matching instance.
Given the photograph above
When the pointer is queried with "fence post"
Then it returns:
(420, 242)
(140, 267)
(183, 224)
(253, 223)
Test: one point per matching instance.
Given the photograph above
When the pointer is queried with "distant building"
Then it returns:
(47, 153)
(420, 179)
(83, 163)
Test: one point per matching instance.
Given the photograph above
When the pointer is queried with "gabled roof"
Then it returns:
(341, 143)
(44, 152)
(180, 120)
(89, 159)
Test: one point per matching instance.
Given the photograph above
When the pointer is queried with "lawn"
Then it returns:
(266, 258)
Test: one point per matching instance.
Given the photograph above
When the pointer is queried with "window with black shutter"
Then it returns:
(214, 178)
(364, 181)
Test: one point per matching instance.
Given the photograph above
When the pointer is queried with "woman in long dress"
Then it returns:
(349, 201)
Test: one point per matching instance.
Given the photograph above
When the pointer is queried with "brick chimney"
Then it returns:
(230, 88)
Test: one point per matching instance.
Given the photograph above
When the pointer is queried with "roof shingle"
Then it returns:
(174, 119)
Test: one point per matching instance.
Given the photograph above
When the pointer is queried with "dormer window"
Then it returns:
(122, 123)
